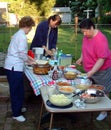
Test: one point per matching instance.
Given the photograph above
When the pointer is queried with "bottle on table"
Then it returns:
(55, 56)
(55, 72)
(60, 53)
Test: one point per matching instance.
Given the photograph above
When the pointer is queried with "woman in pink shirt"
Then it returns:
(96, 57)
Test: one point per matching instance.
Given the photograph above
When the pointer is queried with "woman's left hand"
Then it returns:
(90, 74)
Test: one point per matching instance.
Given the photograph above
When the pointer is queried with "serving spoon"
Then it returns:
(78, 93)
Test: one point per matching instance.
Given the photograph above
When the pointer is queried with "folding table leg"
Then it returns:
(41, 110)
(92, 123)
(109, 120)
(51, 120)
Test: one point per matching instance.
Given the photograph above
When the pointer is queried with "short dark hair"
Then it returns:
(26, 21)
(86, 24)
(54, 18)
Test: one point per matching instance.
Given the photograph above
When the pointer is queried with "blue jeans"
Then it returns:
(15, 79)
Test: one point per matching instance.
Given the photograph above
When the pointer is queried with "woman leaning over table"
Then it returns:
(14, 65)
(96, 57)
(46, 34)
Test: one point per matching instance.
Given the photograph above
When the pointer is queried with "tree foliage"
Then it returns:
(62, 3)
(42, 8)
(35, 8)
(79, 6)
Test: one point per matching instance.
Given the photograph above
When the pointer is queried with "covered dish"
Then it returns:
(41, 69)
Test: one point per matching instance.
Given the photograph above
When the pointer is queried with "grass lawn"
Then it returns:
(5, 36)
(68, 41)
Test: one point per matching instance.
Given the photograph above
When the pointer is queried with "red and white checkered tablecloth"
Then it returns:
(36, 81)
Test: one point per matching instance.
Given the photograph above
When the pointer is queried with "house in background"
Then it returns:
(3, 12)
(13, 19)
(5, 16)
(64, 12)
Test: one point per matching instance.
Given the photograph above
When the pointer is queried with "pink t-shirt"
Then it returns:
(95, 48)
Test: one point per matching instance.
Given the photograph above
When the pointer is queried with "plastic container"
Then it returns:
(38, 52)
(65, 59)
(30, 53)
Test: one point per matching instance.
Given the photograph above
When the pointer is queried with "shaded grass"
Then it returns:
(5, 37)
(68, 41)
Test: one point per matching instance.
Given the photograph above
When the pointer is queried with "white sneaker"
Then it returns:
(101, 116)
(24, 109)
(20, 118)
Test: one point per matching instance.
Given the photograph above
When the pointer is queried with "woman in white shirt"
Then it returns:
(14, 65)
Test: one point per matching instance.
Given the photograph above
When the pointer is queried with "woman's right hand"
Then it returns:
(49, 52)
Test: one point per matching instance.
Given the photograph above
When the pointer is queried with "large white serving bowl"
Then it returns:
(60, 100)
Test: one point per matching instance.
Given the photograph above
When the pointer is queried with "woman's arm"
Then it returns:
(96, 67)
(49, 52)
(79, 61)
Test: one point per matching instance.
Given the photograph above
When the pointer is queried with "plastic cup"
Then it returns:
(30, 53)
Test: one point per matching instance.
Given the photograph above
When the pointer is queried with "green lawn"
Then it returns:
(5, 36)
(71, 43)
(68, 41)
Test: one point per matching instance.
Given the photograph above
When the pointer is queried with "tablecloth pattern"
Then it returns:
(36, 81)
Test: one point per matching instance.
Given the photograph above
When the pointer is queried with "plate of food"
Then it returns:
(29, 67)
(42, 62)
(70, 75)
(63, 83)
(97, 86)
(82, 75)
(60, 100)
(90, 99)
(92, 95)
(66, 89)
(82, 84)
